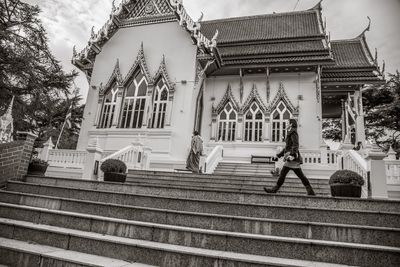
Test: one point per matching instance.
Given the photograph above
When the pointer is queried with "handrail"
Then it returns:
(353, 161)
(135, 156)
(213, 159)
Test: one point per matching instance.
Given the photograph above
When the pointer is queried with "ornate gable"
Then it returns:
(140, 62)
(149, 8)
(162, 72)
(228, 97)
(281, 95)
(115, 77)
(254, 97)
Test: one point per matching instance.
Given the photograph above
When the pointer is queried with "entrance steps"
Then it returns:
(182, 225)
(218, 181)
(249, 169)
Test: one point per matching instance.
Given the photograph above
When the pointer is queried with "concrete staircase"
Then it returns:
(222, 182)
(249, 169)
(175, 219)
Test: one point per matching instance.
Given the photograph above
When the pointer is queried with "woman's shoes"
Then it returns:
(272, 190)
(310, 191)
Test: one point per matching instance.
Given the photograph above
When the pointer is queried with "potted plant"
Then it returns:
(37, 166)
(345, 183)
(114, 170)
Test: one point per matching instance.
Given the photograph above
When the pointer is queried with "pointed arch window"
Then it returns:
(161, 94)
(227, 121)
(280, 120)
(134, 101)
(253, 124)
(108, 109)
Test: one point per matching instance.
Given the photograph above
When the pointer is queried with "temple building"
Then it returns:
(155, 75)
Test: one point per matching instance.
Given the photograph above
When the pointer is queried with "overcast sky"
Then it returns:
(68, 23)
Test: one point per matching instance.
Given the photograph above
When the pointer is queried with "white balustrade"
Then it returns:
(353, 161)
(135, 156)
(213, 159)
(67, 158)
(392, 172)
(315, 157)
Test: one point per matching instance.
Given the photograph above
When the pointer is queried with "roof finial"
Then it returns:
(325, 24)
(368, 27)
(74, 51)
(376, 56)
(113, 7)
(317, 6)
(201, 18)
(92, 32)
(383, 68)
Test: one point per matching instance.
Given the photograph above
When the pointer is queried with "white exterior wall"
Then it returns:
(295, 84)
(167, 39)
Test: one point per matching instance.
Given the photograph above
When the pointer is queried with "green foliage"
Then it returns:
(346, 177)
(30, 72)
(113, 165)
(332, 129)
(382, 108)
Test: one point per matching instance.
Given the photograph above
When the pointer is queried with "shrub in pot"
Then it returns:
(345, 183)
(37, 166)
(114, 170)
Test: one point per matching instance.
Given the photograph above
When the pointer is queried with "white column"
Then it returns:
(360, 122)
(118, 107)
(92, 160)
(98, 111)
(239, 130)
(148, 109)
(377, 178)
(44, 154)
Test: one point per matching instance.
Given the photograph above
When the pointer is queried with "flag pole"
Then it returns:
(59, 136)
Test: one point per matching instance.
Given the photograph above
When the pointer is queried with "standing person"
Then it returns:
(292, 158)
(196, 150)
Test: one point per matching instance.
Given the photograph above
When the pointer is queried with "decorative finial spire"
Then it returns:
(368, 27)
(376, 56)
(383, 68)
(113, 7)
(214, 39)
(74, 51)
(325, 24)
(9, 110)
(318, 6)
(92, 32)
(201, 18)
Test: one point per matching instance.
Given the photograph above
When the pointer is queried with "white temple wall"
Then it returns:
(295, 84)
(167, 39)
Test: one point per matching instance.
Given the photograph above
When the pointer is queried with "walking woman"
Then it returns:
(292, 158)
(196, 150)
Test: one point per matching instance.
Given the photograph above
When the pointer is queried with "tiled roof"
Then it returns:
(272, 48)
(351, 53)
(264, 27)
(266, 60)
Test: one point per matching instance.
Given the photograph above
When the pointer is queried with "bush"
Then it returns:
(346, 177)
(113, 165)
(38, 161)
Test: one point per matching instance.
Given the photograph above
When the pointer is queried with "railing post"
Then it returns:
(44, 154)
(377, 173)
(92, 160)
(146, 158)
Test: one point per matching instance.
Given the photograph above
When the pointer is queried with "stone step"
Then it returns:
(217, 195)
(260, 181)
(156, 253)
(26, 254)
(154, 232)
(161, 254)
(297, 213)
(286, 188)
(244, 177)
